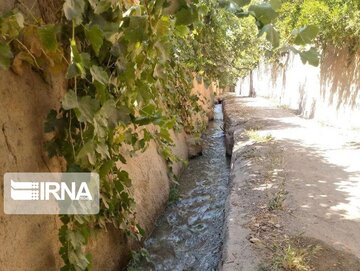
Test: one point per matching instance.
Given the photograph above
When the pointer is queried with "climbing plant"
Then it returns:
(338, 21)
(235, 47)
(325, 22)
(129, 67)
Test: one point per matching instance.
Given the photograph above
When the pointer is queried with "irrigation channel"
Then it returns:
(189, 235)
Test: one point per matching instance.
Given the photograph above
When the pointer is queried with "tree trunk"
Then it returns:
(252, 92)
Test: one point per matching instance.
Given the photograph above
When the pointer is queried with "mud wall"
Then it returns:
(31, 242)
(328, 93)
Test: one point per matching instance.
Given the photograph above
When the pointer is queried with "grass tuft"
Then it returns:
(276, 203)
(291, 258)
(255, 136)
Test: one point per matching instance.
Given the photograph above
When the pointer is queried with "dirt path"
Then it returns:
(319, 181)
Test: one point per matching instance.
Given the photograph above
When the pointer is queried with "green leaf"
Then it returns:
(106, 168)
(108, 115)
(271, 35)
(72, 71)
(149, 109)
(242, 3)
(85, 60)
(275, 4)
(165, 135)
(11, 24)
(5, 56)
(87, 154)
(70, 100)
(99, 74)
(146, 120)
(305, 35)
(103, 150)
(311, 56)
(124, 178)
(96, 37)
(51, 121)
(182, 31)
(100, 6)
(163, 26)
(186, 16)
(47, 35)
(73, 10)
(118, 186)
(263, 13)
(87, 108)
(136, 31)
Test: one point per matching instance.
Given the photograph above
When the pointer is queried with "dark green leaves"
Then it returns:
(11, 24)
(305, 35)
(47, 35)
(87, 154)
(275, 4)
(85, 107)
(70, 100)
(100, 6)
(263, 13)
(124, 178)
(99, 74)
(95, 36)
(73, 10)
(163, 26)
(182, 31)
(136, 31)
(5, 56)
(242, 3)
(271, 35)
(186, 16)
(311, 56)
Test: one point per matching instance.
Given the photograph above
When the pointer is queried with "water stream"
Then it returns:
(189, 235)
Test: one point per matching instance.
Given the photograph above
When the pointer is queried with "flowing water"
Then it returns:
(189, 235)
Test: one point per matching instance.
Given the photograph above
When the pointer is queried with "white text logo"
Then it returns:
(51, 193)
(46, 190)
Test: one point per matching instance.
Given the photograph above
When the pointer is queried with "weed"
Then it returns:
(288, 257)
(174, 193)
(276, 203)
(256, 137)
(284, 106)
(137, 258)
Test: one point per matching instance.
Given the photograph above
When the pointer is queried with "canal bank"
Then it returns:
(293, 191)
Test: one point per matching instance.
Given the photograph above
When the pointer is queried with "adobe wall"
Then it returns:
(328, 93)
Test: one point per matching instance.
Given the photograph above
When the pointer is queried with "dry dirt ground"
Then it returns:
(294, 200)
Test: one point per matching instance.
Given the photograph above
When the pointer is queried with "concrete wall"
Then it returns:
(329, 93)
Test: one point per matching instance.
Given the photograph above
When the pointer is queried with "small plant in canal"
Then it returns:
(137, 259)
(174, 194)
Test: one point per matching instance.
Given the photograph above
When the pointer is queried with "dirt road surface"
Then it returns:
(321, 179)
